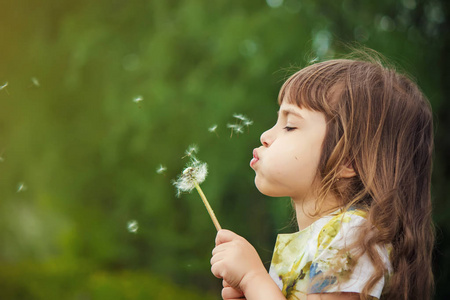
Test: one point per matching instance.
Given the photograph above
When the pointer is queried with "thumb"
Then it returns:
(225, 236)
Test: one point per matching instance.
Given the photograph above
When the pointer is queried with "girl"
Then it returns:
(352, 147)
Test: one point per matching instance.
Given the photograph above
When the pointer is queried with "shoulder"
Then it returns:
(346, 268)
(342, 226)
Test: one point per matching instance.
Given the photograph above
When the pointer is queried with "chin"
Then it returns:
(267, 190)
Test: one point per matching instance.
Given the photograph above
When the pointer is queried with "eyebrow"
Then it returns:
(290, 111)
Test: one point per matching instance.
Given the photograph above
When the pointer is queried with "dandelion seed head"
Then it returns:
(132, 226)
(161, 169)
(4, 85)
(194, 160)
(194, 173)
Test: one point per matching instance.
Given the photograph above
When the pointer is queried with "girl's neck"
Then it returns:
(306, 213)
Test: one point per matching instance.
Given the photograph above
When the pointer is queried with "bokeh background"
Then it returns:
(96, 95)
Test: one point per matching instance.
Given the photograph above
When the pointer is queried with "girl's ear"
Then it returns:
(347, 171)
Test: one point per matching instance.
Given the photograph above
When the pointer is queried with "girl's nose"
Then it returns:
(266, 138)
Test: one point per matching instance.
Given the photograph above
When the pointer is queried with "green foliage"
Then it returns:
(53, 280)
(87, 153)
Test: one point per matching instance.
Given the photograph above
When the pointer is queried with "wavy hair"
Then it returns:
(380, 123)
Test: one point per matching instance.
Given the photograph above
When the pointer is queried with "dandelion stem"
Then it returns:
(208, 207)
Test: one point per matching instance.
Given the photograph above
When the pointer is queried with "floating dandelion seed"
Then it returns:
(232, 127)
(191, 177)
(238, 127)
(161, 169)
(240, 117)
(235, 127)
(132, 226)
(213, 129)
(35, 81)
(4, 87)
(21, 187)
(138, 99)
(248, 123)
(190, 151)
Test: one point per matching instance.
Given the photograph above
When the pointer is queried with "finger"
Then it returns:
(216, 270)
(229, 293)
(219, 248)
(224, 236)
(225, 284)
(215, 258)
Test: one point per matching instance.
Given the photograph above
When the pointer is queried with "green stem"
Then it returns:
(208, 207)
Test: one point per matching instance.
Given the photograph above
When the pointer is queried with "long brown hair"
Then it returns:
(380, 123)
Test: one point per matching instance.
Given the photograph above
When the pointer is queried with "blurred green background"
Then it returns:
(79, 154)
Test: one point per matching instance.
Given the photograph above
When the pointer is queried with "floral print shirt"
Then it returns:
(315, 260)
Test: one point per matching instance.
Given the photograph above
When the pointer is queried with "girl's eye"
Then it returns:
(287, 128)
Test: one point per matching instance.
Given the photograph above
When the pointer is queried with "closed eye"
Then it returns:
(287, 128)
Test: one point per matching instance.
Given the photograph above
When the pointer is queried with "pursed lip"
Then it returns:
(255, 158)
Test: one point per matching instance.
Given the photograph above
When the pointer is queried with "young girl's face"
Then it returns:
(287, 162)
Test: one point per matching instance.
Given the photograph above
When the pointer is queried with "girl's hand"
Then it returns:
(236, 262)
(230, 293)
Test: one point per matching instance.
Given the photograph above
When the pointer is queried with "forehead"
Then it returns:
(287, 108)
(303, 113)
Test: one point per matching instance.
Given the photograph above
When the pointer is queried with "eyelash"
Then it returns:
(287, 128)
